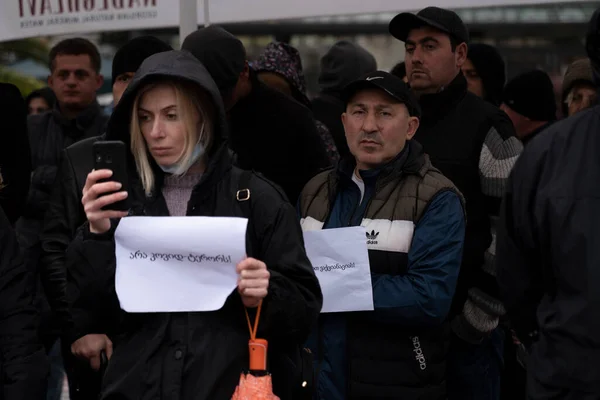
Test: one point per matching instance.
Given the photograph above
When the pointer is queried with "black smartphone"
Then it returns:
(112, 155)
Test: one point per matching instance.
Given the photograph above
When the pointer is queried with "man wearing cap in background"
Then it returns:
(64, 215)
(388, 186)
(269, 132)
(473, 144)
(578, 89)
(528, 100)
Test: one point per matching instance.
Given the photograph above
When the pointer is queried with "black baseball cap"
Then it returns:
(439, 18)
(387, 82)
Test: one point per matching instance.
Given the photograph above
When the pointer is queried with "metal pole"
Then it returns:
(188, 18)
(206, 13)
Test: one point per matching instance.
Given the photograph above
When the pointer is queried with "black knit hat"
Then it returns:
(439, 18)
(223, 55)
(531, 94)
(129, 57)
(490, 67)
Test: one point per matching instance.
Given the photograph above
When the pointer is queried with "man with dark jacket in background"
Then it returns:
(473, 144)
(269, 132)
(65, 214)
(344, 63)
(548, 253)
(74, 78)
(528, 100)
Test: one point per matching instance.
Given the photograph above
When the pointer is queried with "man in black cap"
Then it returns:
(416, 224)
(548, 253)
(472, 142)
(529, 102)
(269, 132)
(64, 215)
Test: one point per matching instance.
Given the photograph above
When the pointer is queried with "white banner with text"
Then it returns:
(30, 18)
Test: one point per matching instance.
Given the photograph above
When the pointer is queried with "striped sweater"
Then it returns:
(473, 143)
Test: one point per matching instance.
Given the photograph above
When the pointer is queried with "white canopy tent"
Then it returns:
(30, 18)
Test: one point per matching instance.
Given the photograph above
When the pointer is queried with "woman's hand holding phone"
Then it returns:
(94, 200)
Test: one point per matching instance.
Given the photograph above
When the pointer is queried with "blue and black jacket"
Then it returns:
(415, 224)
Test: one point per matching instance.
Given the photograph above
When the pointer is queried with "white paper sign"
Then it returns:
(177, 264)
(341, 262)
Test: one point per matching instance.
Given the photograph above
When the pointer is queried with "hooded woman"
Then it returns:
(180, 165)
(280, 67)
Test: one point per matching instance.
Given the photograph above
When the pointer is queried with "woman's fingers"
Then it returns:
(103, 201)
(94, 176)
(108, 214)
(254, 280)
(255, 293)
(100, 189)
(253, 283)
(255, 274)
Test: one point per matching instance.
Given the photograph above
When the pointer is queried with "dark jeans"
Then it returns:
(474, 370)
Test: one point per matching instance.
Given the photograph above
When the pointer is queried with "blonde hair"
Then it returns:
(188, 100)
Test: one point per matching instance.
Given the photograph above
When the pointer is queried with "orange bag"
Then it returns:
(252, 387)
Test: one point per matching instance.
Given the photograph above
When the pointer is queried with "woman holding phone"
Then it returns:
(172, 119)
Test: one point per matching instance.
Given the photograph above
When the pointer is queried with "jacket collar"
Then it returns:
(409, 161)
(439, 103)
(83, 120)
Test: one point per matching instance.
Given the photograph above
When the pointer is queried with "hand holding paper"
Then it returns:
(253, 284)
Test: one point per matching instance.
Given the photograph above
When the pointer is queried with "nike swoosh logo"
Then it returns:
(374, 77)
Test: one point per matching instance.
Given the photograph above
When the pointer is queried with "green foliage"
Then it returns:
(26, 84)
(34, 49)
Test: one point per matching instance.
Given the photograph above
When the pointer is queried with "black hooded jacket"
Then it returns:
(197, 355)
(344, 63)
(548, 253)
(276, 136)
(23, 363)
